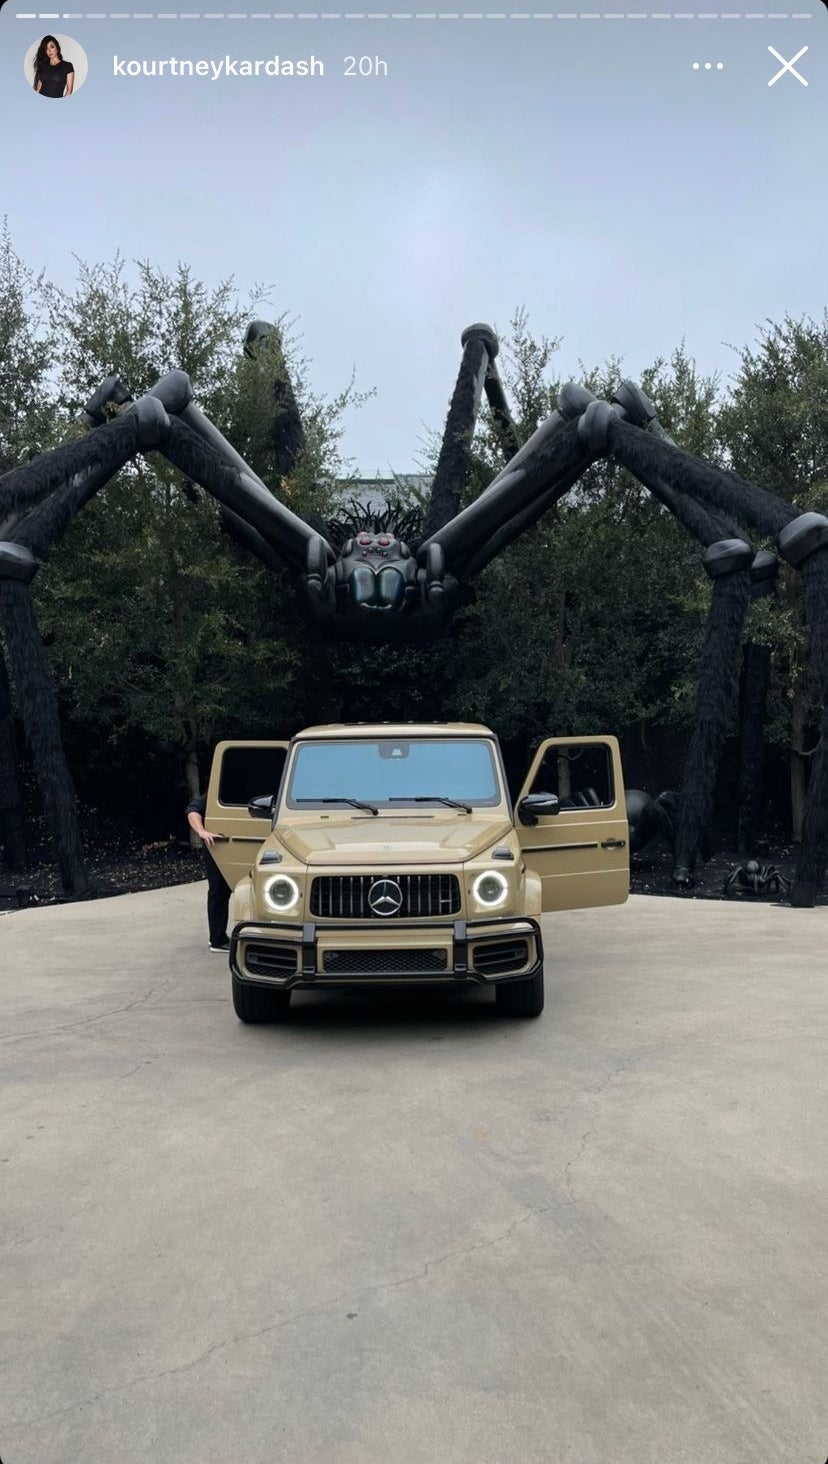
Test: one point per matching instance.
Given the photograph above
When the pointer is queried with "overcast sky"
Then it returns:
(580, 168)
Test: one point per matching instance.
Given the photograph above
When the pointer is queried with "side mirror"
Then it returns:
(538, 805)
(262, 806)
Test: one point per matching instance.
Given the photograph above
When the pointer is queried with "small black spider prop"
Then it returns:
(754, 878)
(403, 576)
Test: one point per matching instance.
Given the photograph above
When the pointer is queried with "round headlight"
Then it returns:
(281, 892)
(490, 888)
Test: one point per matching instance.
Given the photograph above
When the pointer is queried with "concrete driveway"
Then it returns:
(404, 1231)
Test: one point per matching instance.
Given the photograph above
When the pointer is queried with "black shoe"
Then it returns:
(223, 947)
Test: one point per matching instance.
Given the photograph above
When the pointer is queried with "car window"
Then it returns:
(580, 775)
(248, 771)
(383, 771)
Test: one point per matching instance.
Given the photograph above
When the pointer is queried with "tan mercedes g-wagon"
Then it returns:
(392, 854)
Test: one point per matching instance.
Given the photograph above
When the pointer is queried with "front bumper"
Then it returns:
(482, 952)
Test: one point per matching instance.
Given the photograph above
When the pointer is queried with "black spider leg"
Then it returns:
(541, 472)
(753, 691)
(526, 519)
(105, 451)
(283, 533)
(731, 880)
(19, 494)
(23, 488)
(572, 402)
(813, 851)
(755, 668)
(37, 502)
(254, 516)
(112, 394)
(728, 563)
(504, 425)
(263, 341)
(755, 683)
(665, 806)
(802, 540)
(729, 560)
(71, 474)
(480, 346)
(716, 701)
(177, 392)
(12, 837)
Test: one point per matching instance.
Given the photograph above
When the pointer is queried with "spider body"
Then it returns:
(363, 577)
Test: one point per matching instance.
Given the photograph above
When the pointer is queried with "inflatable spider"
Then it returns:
(386, 577)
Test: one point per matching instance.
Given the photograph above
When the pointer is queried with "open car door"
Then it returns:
(241, 771)
(582, 853)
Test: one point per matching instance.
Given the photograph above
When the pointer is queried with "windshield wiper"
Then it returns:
(354, 802)
(434, 798)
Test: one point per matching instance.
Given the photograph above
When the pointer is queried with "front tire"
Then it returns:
(259, 1003)
(521, 998)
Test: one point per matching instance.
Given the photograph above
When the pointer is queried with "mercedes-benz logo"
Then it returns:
(385, 897)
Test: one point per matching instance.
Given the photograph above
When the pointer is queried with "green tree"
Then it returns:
(27, 414)
(157, 622)
(26, 425)
(774, 429)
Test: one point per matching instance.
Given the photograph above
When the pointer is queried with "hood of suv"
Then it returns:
(391, 841)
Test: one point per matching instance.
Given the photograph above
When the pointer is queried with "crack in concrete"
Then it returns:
(317, 1310)
(595, 1093)
(147, 1062)
(87, 1021)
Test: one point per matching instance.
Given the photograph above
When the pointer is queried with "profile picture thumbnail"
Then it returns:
(55, 66)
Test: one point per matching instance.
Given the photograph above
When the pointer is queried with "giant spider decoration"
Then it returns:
(395, 578)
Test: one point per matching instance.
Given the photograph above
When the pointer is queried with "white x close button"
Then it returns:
(788, 66)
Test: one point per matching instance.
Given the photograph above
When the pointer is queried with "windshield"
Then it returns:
(390, 773)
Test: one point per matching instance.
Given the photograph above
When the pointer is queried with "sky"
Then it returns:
(578, 167)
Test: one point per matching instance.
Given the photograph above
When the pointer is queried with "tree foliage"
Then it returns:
(774, 429)
(26, 410)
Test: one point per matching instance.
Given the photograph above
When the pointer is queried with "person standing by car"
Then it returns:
(218, 890)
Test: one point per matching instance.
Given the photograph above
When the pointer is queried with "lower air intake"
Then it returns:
(384, 963)
(496, 958)
(270, 960)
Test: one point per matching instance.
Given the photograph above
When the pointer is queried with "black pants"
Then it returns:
(218, 900)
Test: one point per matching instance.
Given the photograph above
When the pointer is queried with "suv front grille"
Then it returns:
(385, 963)
(345, 896)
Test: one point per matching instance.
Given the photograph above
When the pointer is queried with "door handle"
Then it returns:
(613, 843)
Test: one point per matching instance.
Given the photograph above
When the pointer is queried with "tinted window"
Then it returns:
(248, 771)
(380, 772)
(581, 776)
